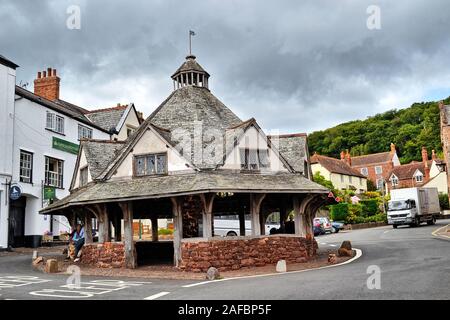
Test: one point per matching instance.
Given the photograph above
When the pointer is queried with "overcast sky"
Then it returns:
(296, 66)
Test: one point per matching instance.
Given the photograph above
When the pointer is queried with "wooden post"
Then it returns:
(283, 213)
(101, 213)
(208, 201)
(88, 227)
(130, 250)
(299, 218)
(154, 228)
(241, 221)
(255, 206)
(177, 229)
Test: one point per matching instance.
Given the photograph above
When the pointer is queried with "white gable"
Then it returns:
(82, 164)
(151, 142)
(395, 160)
(417, 173)
(253, 139)
(129, 121)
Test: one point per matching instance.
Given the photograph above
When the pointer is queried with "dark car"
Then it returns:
(318, 228)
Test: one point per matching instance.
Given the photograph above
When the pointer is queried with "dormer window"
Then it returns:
(150, 164)
(419, 177)
(254, 159)
(394, 180)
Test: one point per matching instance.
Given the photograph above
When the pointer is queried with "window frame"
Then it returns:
(87, 129)
(59, 173)
(378, 167)
(28, 153)
(146, 156)
(84, 171)
(364, 171)
(246, 166)
(54, 122)
(394, 180)
(421, 178)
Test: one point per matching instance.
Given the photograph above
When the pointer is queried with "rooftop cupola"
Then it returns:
(190, 73)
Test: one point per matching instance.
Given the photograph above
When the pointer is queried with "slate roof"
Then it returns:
(99, 154)
(336, 166)
(372, 159)
(190, 65)
(108, 118)
(191, 104)
(293, 147)
(60, 106)
(406, 171)
(182, 184)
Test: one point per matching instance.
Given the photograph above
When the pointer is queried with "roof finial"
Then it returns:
(191, 33)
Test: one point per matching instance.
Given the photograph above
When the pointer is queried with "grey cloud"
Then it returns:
(295, 66)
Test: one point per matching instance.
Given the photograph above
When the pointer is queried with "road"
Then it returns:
(413, 264)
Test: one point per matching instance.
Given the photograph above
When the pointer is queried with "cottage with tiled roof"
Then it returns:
(193, 160)
(418, 173)
(339, 173)
(375, 166)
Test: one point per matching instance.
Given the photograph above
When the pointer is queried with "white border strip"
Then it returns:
(434, 233)
(357, 256)
(156, 296)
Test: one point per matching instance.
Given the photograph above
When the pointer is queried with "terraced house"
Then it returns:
(39, 141)
(191, 160)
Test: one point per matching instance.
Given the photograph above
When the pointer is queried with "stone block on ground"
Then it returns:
(281, 266)
(38, 260)
(346, 245)
(212, 274)
(343, 252)
(51, 266)
(332, 258)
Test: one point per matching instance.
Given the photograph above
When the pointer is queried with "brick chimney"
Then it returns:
(425, 163)
(342, 155)
(348, 159)
(393, 148)
(46, 84)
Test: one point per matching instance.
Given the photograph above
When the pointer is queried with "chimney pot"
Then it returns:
(433, 155)
(46, 84)
(393, 148)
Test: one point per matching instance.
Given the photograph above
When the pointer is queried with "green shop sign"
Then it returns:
(49, 193)
(64, 145)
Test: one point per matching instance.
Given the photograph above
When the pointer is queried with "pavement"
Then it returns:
(403, 263)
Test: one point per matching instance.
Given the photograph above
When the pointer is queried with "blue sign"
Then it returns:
(15, 192)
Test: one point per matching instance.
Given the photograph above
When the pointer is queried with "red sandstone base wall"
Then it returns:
(236, 253)
(104, 255)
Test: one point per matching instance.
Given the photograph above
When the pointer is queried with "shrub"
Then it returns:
(354, 212)
(339, 211)
(165, 231)
(443, 201)
(369, 207)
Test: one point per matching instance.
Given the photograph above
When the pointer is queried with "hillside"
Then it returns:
(409, 129)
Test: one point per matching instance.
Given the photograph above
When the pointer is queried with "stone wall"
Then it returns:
(104, 255)
(242, 252)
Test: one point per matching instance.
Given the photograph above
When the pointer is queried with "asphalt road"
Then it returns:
(413, 264)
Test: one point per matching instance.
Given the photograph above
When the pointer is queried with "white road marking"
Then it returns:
(332, 245)
(357, 256)
(322, 243)
(156, 296)
(434, 233)
(386, 231)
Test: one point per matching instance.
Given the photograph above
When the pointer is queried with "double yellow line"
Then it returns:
(435, 232)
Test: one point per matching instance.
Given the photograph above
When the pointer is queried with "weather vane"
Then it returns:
(191, 33)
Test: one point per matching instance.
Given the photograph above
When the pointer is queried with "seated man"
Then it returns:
(77, 238)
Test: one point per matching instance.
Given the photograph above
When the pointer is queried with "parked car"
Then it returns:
(336, 226)
(318, 228)
(326, 224)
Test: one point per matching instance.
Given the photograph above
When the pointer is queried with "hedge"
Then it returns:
(339, 211)
(369, 207)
